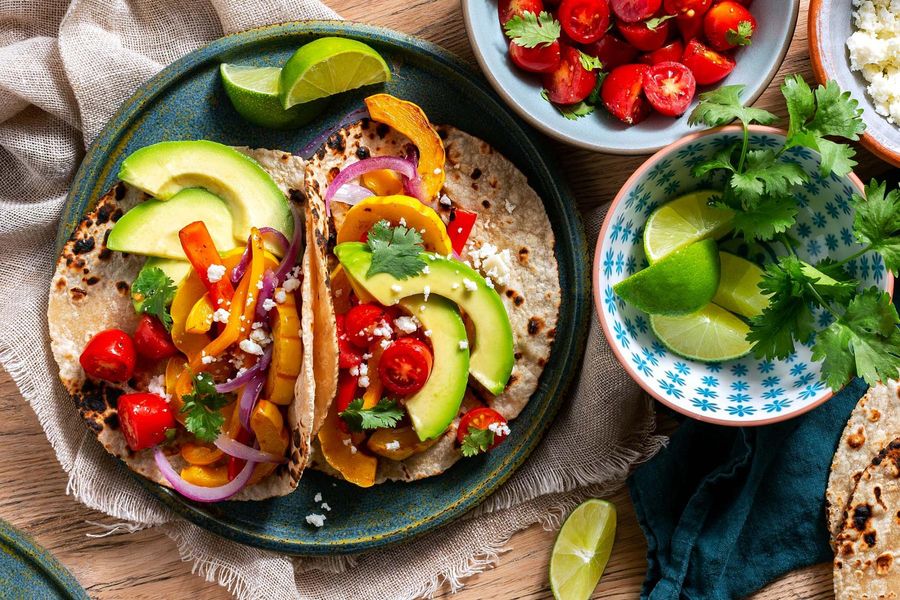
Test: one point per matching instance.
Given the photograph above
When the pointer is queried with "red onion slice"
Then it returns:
(402, 165)
(272, 234)
(290, 257)
(238, 450)
(265, 293)
(352, 194)
(199, 493)
(241, 380)
(249, 397)
(351, 117)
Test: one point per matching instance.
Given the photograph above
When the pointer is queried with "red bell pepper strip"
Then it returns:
(200, 249)
(236, 465)
(459, 228)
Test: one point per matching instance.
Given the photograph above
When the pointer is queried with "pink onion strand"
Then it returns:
(199, 493)
(243, 451)
(394, 163)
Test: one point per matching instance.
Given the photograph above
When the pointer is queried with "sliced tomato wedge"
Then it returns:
(612, 51)
(348, 355)
(507, 9)
(632, 11)
(405, 365)
(481, 418)
(622, 94)
(584, 21)
(540, 59)
(347, 392)
(707, 65)
(642, 37)
(144, 418)
(360, 322)
(669, 87)
(570, 82)
(668, 53)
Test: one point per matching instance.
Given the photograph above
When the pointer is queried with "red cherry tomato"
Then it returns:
(721, 23)
(405, 365)
(689, 26)
(348, 355)
(612, 52)
(708, 66)
(507, 9)
(632, 11)
(144, 418)
(360, 321)
(151, 340)
(642, 37)
(480, 418)
(669, 53)
(688, 8)
(540, 59)
(621, 94)
(584, 21)
(669, 87)
(570, 82)
(347, 392)
(109, 355)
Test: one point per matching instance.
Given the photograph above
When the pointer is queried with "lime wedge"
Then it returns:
(710, 335)
(582, 549)
(253, 92)
(329, 66)
(682, 222)
(739, 286)
(679, 284)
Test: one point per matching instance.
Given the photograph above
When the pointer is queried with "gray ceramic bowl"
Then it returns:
(830, 24)
(756, 67)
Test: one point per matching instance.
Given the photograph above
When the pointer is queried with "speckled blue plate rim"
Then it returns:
(571, 248)
(38, 560)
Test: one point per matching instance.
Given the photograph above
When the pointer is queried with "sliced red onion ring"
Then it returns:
(199, 493)
(241, 380)
(413, 187)
(290, 257)
(249, 397)
(352, 194)
(351, 117)
(267, 232)
(237, 273)
(275, 236)
(265, 293)
(402, 165)
(238, 450)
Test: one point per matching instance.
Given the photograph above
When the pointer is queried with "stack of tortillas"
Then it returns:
(862, 501)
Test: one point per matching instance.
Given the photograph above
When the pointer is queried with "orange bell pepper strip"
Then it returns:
(200, 454)
(206, 476)
(255, 277)
(201, 251)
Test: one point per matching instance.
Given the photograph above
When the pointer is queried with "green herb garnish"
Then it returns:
(153, 292)
(741, 35)
(201, 408)
(530, 30)
(477, 441)
(387, 413)
(655, 22)
(395, 251)
(589, 62)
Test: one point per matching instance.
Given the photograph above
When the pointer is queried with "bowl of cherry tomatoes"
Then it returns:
(621, 76)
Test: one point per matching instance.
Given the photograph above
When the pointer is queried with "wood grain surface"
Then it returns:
(146, 564)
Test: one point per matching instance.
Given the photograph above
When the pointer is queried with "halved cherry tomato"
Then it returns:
(612, 52)
(200, 250)
(480, 418)
(460, 227)
(668, 53)
(621, 94)
(109, 355)
(405, 365)
(507, 9)
(144, 419)
(688, 8)
(348, 356)
(347, 392)
(584, 21)
(708, 66)
(642, 37)
(151, 340)
(359, 323)
(632, 11)
(669, 87)
(570, 82)
(690, 27)
(540, 59)
(721, 25)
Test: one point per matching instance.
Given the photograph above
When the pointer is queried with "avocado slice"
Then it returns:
(164, 169)
(176, 270)
(492, 356)
(434, 407)
(151, 228)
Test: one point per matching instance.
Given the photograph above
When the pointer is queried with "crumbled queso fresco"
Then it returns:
(315, 520)
(875, 52)
(215, 273)
(492, 262)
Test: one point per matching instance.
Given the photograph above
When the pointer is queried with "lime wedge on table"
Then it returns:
(329, 66)
(253, 92)
(739, 286)
(710, 335)
(582, 549)
(682, 222)
(679, 284)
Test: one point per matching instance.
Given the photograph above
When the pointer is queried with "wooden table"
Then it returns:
(146, 564)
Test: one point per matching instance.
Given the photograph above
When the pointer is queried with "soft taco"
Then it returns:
(436, 295)
(177, 320)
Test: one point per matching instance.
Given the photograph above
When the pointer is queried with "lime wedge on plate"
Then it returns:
(679, 284)
(739, 286)
(582, 550)
(710, 335)
(329, 66)
(682, 222)
(253, 92)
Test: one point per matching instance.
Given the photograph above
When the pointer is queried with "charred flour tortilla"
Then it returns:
(872, 425)
(510, 216)
(867, 549)
(90, 292)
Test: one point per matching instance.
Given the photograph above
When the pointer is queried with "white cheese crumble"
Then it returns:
(215, 273)
(402, 222)
(445, 200)
(315, 520)
(499, 428)
(290, 284)
(470, 285)
(385, 344)
(157, 386)
(392, 445)
(261, 337)
(251, 347)
(280, 296)
(427, 292)
(259, 284)
(405, 324)
(463, 344)
(427, 333)
(875, 52)
(363, 381)
(455, 286)
(326, 507)
(207, 360)
(426, 269)
(317, 497)
(396, 288)
(268, 304)
(509, 207)
(221, 315)
(492, 262)
(437, 171)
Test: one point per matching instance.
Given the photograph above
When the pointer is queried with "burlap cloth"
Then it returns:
(64, 69)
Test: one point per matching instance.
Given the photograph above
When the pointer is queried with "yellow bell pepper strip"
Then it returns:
(267, 424)
(396, 209)
(201, 251)
(200, 454)
(207, 476)
(187, 295)
(338, 449)
(175, 369)
(411, 121)
(286, 350)
(380, 442)
(200, 319)
(382, 182)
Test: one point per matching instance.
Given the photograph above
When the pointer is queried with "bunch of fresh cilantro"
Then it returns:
(863, 338)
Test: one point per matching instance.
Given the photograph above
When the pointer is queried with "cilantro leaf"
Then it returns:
(530, 30)
(723, 105)
(589, 62)
(152, 293)
(387, 413)
(201, 408)
(741, 35)
(768, 216)
(395, 251)
(723, 158)
(573, 112)
(876, 222)
(788, 316)
(477, 441)
(652, 24)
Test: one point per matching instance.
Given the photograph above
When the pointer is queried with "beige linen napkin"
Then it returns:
(64, 69)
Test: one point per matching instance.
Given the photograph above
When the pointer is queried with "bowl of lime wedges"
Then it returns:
(745, 308)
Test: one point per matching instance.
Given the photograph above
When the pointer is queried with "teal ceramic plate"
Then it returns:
(186, 101)
(29, 571)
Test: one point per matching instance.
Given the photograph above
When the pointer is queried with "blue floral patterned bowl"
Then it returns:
(744, 391)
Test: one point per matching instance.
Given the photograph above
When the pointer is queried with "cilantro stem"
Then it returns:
(745, 147)
(821, 301)
(852, 256)
(787, 244)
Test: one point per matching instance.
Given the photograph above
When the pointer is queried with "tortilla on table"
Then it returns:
(91, 291)
(511, 216)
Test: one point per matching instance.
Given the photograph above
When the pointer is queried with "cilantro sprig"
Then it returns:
(387, 413)
(153, 292)
(201, 408)
(395, 251)
(530, 30)
(476, 441)
(741, 35)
